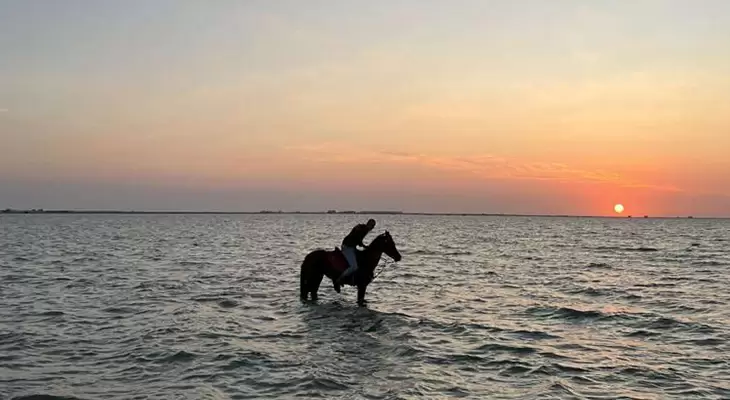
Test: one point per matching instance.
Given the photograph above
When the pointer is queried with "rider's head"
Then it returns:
(371, 223)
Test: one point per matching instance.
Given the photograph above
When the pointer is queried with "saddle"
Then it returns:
(337, 260)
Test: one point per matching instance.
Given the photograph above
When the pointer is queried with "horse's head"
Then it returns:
(387, 244)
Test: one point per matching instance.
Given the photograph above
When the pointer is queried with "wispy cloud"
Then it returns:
(484, 166)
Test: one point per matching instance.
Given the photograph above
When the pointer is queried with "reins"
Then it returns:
(383, 269)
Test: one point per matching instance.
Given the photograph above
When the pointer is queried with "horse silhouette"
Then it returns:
(320, 263)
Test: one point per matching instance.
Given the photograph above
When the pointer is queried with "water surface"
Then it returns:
(206, 307)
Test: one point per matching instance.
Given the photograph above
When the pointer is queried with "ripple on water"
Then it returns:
(45, 397)
(572, 314)
(672, 324)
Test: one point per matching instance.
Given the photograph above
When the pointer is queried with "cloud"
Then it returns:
(484, 166)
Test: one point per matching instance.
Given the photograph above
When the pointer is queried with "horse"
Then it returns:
(332, 264)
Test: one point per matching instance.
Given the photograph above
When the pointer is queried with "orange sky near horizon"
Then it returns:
(597, 105)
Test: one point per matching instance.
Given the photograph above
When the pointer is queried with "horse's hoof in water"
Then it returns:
(337, 287)
(363, 303)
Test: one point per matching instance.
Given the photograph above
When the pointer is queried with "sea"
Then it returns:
(479, 307)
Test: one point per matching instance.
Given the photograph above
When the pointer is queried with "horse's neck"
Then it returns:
(372, 256)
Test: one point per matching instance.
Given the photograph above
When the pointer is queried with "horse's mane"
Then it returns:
(378, 238)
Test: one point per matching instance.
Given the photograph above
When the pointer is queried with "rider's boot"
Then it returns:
(345, 278)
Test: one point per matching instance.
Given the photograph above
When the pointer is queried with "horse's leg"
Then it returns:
(314, 283)
(303, 285)
(361, 294)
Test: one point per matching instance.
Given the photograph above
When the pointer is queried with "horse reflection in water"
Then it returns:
(354, 351)
(332, 264)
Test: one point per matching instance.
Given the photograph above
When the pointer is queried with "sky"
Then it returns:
(534, 107)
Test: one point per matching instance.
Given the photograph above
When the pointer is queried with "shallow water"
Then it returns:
(206, 307)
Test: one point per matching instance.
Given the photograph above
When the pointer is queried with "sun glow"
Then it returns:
(619, 208)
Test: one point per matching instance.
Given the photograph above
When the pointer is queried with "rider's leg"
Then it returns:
(349, 253)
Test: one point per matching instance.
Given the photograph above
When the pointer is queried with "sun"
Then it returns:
(619, 208)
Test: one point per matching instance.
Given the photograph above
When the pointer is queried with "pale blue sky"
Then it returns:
(110, 93)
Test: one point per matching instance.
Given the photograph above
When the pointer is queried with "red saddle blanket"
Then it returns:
(337, 260)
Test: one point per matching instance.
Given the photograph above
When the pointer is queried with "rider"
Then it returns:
(349, 246)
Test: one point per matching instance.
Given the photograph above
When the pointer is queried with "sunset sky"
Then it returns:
(539, 107)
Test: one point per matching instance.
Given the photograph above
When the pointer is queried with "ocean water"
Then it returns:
(207, 307)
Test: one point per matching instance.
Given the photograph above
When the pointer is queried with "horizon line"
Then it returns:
(336, 212)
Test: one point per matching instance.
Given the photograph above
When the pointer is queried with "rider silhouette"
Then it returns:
(349, 246)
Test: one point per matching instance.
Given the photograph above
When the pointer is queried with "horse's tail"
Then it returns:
(303, 272)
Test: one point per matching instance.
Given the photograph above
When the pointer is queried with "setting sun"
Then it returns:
(619, 208)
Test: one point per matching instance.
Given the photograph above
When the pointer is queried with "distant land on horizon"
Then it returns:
(331, 212)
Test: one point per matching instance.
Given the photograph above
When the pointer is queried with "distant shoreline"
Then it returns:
(330, 212)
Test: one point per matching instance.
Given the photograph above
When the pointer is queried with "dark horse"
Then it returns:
(320, 263)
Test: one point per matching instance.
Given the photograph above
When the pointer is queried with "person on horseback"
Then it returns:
(349, 247)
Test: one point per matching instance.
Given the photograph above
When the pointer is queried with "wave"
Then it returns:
(222, 297)
(564, 388)
(643, 249)
(498, 347)
(709, 263)
(576, 347)
(406, 351)
(180, 356)
(568, 313)
(535, 335)
(161, 332)
(455, 359)
(642, 333)
(317, 383)
(712, 342)
(644, 372)
(251, 358)
(589, 291)
(457, 327)
(81, 282)
(194, 263)
(555, 369)
(655, 285)
(84, 259)
(515, 370)
(615, 248)
(44, 397)
(228, 303)
(167, 357)
(676, 278)
(52, 313)
(440, 253)
(120, 310)
(668, 323)
(422, 252)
